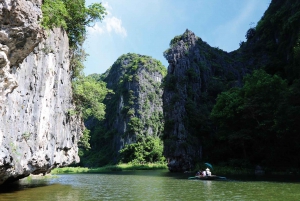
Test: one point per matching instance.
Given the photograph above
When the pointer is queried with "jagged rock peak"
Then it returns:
(180, 45)
(188, 37)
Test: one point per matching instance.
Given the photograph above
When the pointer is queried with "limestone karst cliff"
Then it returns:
(134, 111)
(138, 92)
(19, 34)
(196, 74)
(36, 132)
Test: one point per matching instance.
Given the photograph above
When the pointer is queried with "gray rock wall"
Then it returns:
(197, 73)
(36, 133)
(20, 33)
(136, 109)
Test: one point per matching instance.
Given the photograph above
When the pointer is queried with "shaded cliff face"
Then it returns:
(19, 35)
(135, 110)
(196, 74)
(36, 133)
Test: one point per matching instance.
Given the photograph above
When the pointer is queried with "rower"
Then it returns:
(208, 173)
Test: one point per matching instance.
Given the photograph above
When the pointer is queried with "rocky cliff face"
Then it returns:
(19, 35)
(196, 74)
(36, 132)
(135, 110)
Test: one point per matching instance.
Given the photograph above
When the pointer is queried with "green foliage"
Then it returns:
(73, 16)
(249, 119)
(84, 140)
(175, 40)
(76, 63)
(275, 36)
(54, 14)
(135, 126)
(89, 95)
(148, 150)
(110, 168)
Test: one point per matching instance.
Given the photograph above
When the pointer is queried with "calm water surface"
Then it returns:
(146, 185)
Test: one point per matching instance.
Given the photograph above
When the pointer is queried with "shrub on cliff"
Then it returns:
(73, 16)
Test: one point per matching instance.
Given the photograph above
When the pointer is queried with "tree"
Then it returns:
(247, 116)
(148, 150)
(73, 16)
(89, 95)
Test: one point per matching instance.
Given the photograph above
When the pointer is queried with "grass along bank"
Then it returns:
(109, 168)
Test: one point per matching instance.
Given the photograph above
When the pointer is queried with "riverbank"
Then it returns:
(109, 168)
(217, 170)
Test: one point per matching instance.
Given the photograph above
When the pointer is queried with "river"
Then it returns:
(147, 185)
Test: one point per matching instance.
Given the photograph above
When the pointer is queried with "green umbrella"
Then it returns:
(209, 165)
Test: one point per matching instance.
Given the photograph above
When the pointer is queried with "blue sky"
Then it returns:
(147, 26)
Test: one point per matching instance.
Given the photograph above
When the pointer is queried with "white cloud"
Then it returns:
(96, 29)
(115, 24)
(109, 24)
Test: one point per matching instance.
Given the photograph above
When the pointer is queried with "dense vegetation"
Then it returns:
(73, 16)
(257, 124)
(88, 97)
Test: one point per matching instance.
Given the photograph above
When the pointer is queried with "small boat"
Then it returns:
(212, 177)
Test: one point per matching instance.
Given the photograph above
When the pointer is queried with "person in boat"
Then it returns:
(204, 173)
(207, 171)
(198, 174)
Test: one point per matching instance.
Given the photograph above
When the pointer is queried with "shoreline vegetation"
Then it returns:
(226, 170)
(111, 168)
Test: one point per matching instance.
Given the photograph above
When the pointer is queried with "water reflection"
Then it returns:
(145, 185)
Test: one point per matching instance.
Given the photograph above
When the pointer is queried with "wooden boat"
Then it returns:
(212, 177)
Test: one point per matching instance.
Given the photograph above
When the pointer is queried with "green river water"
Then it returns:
(148, 185)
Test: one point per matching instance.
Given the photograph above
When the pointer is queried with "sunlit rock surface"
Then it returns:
(36, 132)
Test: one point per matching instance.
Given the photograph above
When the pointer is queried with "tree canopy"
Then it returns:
(73, 16)
(257, 120)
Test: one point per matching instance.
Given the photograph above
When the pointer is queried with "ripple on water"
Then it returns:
(147, 185)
